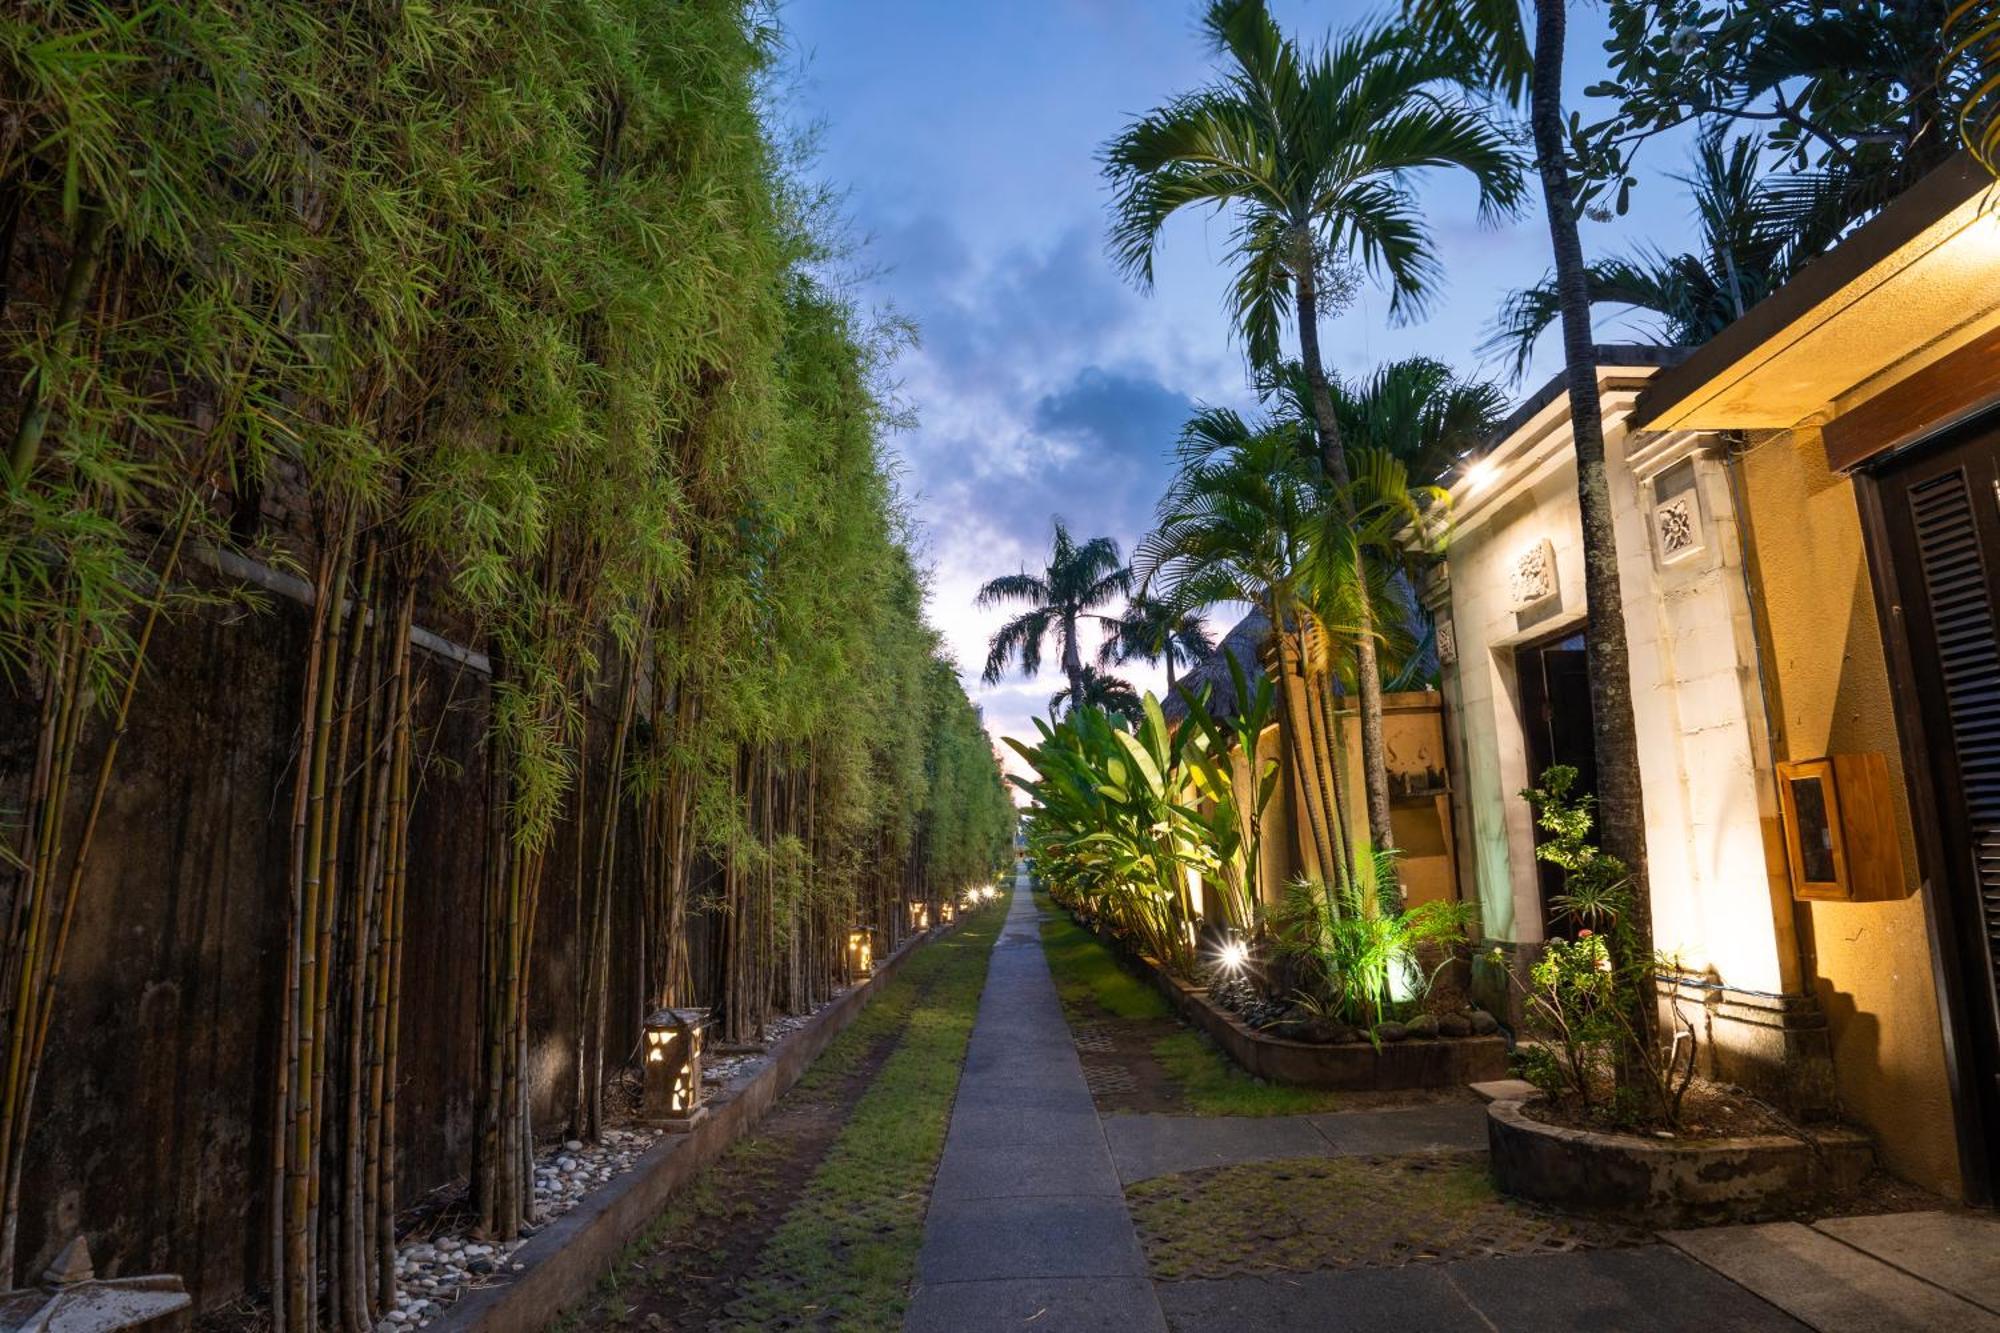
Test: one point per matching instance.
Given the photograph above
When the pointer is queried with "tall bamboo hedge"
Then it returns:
(503, 320)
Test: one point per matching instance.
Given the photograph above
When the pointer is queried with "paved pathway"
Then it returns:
(1028, 1228)
(1027, 1220)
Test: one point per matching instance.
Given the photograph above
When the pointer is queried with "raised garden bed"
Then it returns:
(1672, 1182)
(1352, 1066)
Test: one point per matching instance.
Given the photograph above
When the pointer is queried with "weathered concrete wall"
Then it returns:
(1831, 691)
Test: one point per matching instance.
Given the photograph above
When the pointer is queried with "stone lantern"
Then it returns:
(860, 955)
(947, 912)
(920, 917)
(73, 1297)
(673, 1069)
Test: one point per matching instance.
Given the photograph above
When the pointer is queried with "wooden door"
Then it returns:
(1939, 515)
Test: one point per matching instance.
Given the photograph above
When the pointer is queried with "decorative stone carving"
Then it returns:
(1677, 527)
(1447, 643)
(1534, 578)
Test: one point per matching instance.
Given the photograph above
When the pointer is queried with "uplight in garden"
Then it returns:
(673, 1068)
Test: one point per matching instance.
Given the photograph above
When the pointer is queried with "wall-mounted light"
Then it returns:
(672, 1073)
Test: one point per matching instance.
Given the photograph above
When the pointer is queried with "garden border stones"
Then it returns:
(1670, 1183)
(1352, 1066)
(566, 1258)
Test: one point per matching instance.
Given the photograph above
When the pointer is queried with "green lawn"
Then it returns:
(1092, 983)
(846, 1253)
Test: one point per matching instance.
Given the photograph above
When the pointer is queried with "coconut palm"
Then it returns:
(1106, 693)
(1520, 59)
(1972, 35)
(1079, 579)
(1313, 150)
(1755, 231)
(1150, 630)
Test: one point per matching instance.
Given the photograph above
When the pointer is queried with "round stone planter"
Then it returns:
(1669, 1182)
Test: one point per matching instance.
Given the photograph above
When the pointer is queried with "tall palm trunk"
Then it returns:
(1620, 803)
(1072, 661)
(1367, 673)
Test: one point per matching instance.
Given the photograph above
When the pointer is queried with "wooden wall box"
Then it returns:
(1841, 837)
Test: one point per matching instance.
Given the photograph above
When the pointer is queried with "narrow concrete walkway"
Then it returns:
(1028, 1228)
(1027, 1223)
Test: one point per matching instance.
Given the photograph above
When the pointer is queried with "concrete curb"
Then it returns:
(566, 1258)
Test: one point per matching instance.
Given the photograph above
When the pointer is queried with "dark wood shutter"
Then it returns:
(1958, 590)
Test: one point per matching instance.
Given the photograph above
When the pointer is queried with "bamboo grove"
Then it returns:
(505, 322)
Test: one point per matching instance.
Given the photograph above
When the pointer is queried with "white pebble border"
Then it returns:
(433, 1273)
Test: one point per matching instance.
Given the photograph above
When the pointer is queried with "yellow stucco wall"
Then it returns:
(1831, 682)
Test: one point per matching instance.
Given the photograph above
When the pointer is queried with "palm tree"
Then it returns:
(1153, 631)
(1972, 38)
(1313, 150)
(1755, 231)
(1079, 579)
(1494, 38)
(1233, 526)
(1106, 693)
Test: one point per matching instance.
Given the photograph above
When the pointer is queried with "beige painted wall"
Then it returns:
(1830, 684)
(1696, 708)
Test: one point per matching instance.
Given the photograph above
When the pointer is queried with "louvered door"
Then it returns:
(1940, 508)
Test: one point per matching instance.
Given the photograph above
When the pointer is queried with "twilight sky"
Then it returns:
(964, 137)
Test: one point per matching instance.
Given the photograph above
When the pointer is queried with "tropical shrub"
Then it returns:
(1587, 995)
(1360, 948)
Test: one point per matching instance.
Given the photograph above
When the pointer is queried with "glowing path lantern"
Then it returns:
(673, 1069)
(860, 955)
(920, 917)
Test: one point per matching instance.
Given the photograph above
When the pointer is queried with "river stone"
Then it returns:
(1391, 1031)
(1455, 1025)
(1424, 1026)
(1484, 1024)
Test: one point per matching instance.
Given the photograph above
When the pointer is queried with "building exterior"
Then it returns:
(1512, 609)
(1808, 526)
(1860, 411)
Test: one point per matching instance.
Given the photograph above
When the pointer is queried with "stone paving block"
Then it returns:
(1022, 1172)
(1038, 1305)
(1144, 1146)
(1957, 1251)
(1831, 1286)
(1452, 1125)
(1651, 1289)
(993, 1127)
(1026, 1094)
(1363, 1301)
(1504, 1090)
(974, 1240)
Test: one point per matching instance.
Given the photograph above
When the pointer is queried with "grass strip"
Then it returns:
(1089, 976)
(846, 1252)
(726, 1194)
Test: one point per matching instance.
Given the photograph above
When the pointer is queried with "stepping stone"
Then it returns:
(1445, 1125)
(1145, 1146)
(1505, 1090)
(1830, 1285)
(1652, 1289)
(1957, 1251)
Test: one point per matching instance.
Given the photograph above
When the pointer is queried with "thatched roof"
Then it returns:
(1245, 643)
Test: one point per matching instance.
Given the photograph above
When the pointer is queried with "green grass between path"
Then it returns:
(1087, 973)
(846, 1252)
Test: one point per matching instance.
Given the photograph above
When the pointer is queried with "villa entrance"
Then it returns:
(1555, 720)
